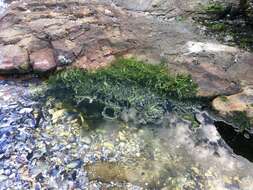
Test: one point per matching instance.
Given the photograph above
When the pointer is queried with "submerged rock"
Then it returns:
(237, 109)
(241, 102)
(142, 173)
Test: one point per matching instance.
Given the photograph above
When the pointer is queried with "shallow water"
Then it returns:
(2, 6)
(44, 145)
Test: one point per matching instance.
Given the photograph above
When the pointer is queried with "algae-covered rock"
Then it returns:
(237, 109)
(126, 84)
(143, 173)
(61, 114)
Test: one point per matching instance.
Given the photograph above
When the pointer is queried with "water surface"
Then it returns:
(2, 6)
(43, 145)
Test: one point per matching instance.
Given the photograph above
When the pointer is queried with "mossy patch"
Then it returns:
(126, 83)
(214, 8)
(241, 120)
(190, 117)
(217, 26)
(224, 98)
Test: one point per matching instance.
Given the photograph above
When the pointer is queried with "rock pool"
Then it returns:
(44, 145)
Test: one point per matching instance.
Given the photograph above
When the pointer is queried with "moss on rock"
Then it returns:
(126, 83)
(241, 119)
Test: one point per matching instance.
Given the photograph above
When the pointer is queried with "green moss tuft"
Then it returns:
(214, 8)
(223, 98)
(126, 83)
(217, 26)
(154, 77)
(241, 120)
(190, 117)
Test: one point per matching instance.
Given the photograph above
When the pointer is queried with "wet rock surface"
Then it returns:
(239, 102)
(90, 34)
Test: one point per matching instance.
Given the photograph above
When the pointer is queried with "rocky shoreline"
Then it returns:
(48, 35)
(45, 143)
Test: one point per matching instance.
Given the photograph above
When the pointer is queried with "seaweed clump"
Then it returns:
(125, 84)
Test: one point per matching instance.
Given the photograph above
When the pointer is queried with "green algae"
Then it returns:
(190, 117)
(126, 83)
(223, 98)
(214, 8)
(217, 26)
(154, 77)
(242, 120)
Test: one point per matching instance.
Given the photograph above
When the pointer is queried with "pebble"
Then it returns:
(74, 164)
(246, 135)
(25, 110)
(86, 140)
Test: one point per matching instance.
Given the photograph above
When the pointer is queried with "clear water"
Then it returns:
(2, 6)
(43, 145)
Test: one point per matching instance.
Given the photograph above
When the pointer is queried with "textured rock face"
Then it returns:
(241, 102)
(50, 34)
(13, 59)
(43, 60)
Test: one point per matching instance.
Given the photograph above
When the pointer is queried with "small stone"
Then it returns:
(121, 136)
(75, 164)
(57, 115)
(37, 186)
(108, 12)
(7, 172)
(25, 110)
(246, 135)
(199, 117)
(3, 178)
(86, 140)
(109, 145)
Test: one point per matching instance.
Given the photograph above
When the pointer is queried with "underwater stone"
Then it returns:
(74, 164)
(26, 110)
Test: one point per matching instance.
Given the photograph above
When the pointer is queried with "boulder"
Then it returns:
(241, 102)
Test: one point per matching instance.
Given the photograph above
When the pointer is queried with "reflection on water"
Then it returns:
(2, 6)
(46, 145)
(241, 143)
(169, 157)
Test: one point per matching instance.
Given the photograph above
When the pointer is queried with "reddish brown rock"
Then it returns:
(13, 59)
(43, 61)
(91, 34)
